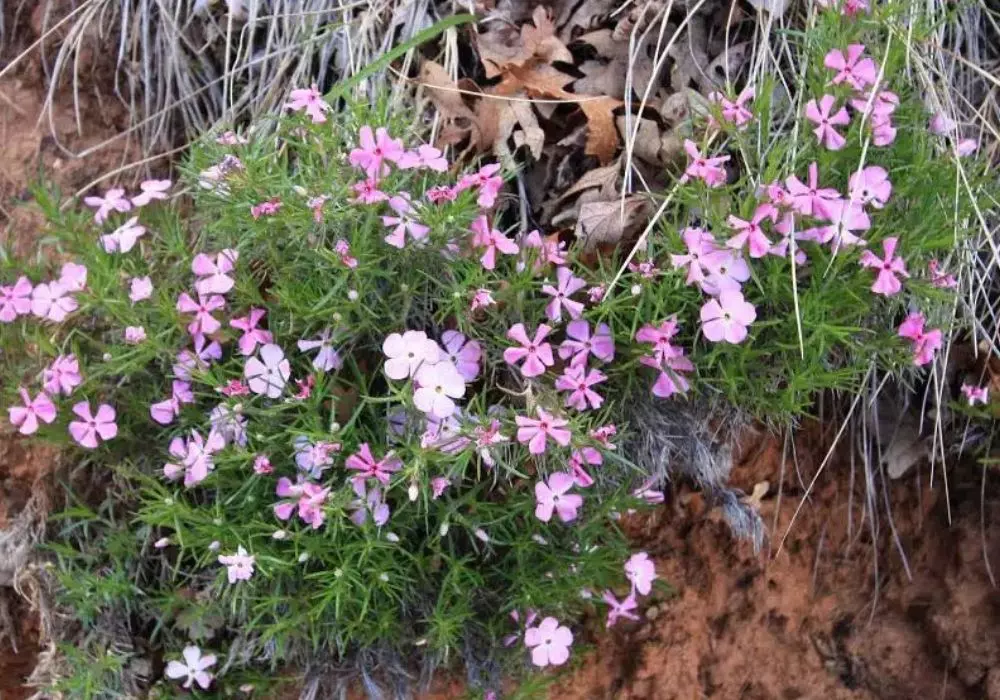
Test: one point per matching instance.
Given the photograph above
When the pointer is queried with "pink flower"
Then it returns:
(580, 344)
(441, 193)
(62, 376)
(439, 385)
(268, 208)
(727, 318)
(203, 322)
(976, 394)
(343, 249)
(883, 132)
(73, 277)
(239, 566)
(314, 458)
(234, 387)
(464, 354)
(438, 486)
(251, 334)
(15, 300)
(425, 156)
(647, 493)
(204, 353)
(735, 111)
(486, 437)
(490, 240)
(659, 337)
(848, 8)
(262, 465)
(369, 501)
(25, 417)
(140, 288)
(670, 381)
(700, 250)
(193, 668)
(403, 222)
(213, 276)
(165, 411)
(751, 231)
(114, 199)
(845, 217)
(567, 285)
(535, 432)
(604, 434)
(941, 124)
(52, 302)
(310, 100)
(327, 358)
(549, 643)
(925, 343)
(375, 150)
(553, 496)
(646, 269)
(941, 280)
(482, 299)
(310, 501)
(536, 354)
(710, 170)
(889, 267)
(231, 138)
(851, 68)
(966, 147)
(90, 427)
(618, 610)
(882, 104)
(585, 455)
(640, 570)
(151, 190)
(316, 204)
(367, 192)
(368, 468)
(268, 375)
(578, 381)
(488, 183)
(407, 352)
(551, 251)
(135, 335)
(871, 186)
(727, 271)
(819, 114)
(804, 198)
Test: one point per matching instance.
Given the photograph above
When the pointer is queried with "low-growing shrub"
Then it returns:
(355, 421)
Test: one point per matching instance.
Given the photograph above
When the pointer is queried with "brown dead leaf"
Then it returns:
(610, 222)
(502, 46)
(514, 114)
(446, 97)
(602, 137)
(541, 39)
(576, 18)
(615, 63)
(605, 180)
(647, 139)
(538, 80)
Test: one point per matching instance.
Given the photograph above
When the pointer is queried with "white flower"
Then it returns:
(407, 352)
(439, 385)
(193, 668)
(269, 374)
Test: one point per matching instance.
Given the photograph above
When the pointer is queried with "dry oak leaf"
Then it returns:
(503, 46)
(609, 223)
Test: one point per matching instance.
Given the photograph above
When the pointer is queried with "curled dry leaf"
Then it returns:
(611, 222)
(502, 46)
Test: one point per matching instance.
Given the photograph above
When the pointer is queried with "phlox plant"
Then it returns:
(349, 413)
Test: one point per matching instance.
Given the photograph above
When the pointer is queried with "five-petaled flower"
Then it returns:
(852, 67)
(438, 386)
(15, 299)
(268, 374)
(537, 431)
(26, 416)
(567, 285)
(203, 323)
(619, 609)
(193, 669)
(727, 318)
(113, 200)
(239, 565)
(490, 241)
(822, 115)
(890, 268)
(924, 342)
(407, 352)
(369, 468)
(751, 231)
(252, 336)
(710, 170)
(62, 376)
(553, 496)
(92, 426)
(580, 343)
(578, 380)
(976, 394)
(151, 190)
(535, 353)
(641, 571)
(327, 358)
(376, 150)
(549, 642)
(310, 100)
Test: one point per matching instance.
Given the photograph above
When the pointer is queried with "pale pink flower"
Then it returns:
(490, 240)
(925, 342)
(134, 335)
(73, 276)
(439, 485)
(441, 193)
(239, 566)
(890, 268)
(198, 460)
(269, 374)
(976, 394)
(151, 190)
(488, 183)
(646, 269)
(726, 318)
(407, 352)
(268, 208)
(549, 643)
(403, 222)
(552, 496)
(375, 151)
(585, 455)
(194, 668)
(213, 275)
(231, 138)
(659, 337)
(439, 385)
(578, 381)
(424, 156)
(871, 186)
(343, 249)
(567, 285)
(140, 288)
(883, 132)
(699, 167)
(62, 376)
(618, 610)
(113, 199)
(123, 238)
(727, 272)
(820, 114)
(700, 250)
(92, 426)
(306, 387)
(164, 412)
(234, 387)
(52, 302)
(580, 344)
(482, 299)
(486, 437)
(367, 192)
(882, 104)
(311, 499)
(641, 571)
(941, 124)
(203, 323)
(369, 468)
(262, 465)
(853, 68)
(535, 432)
(550, 250)
(316, 204)
(845, 218)
(327, 358)
(751, 231)
(966, 147)
(803, 198)
(650, 495)
(735, 111)
(464, 354)
(370, 501)
(252, 336)
(941, 280)
(15, 300)
(25, 417)
(536, 354)
(310, 100)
